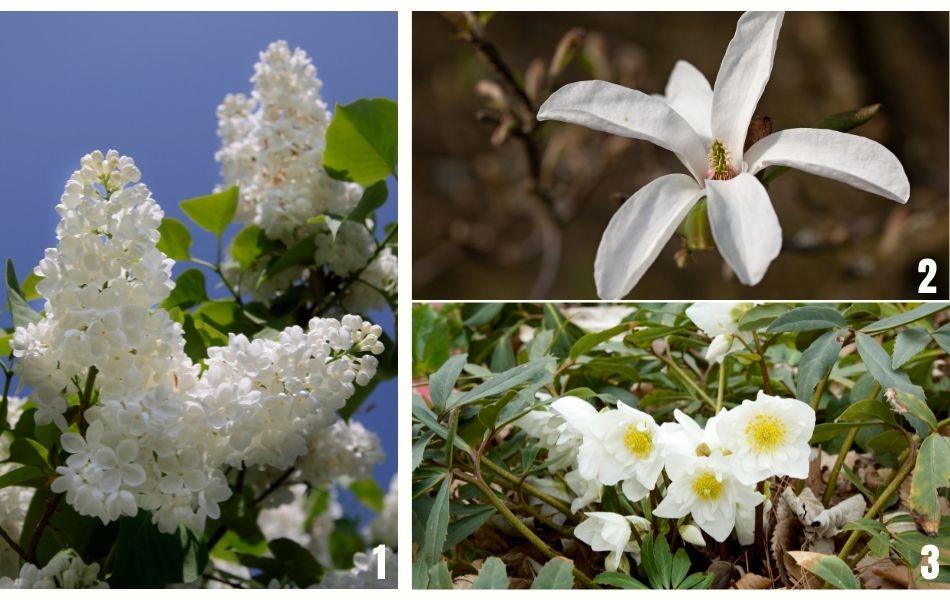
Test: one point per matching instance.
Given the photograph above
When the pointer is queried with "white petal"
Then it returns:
(852, 159)
(576, 412)
(714, 318)
(744, 225)
(638, 232)
(612, 108)
(720, 528)
(634, 490)
(72, 443)
(744, 71)
(689, 93)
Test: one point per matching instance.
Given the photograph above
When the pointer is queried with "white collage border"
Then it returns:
(404, 332)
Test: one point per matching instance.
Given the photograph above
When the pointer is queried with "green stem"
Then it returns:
(766, 382)
(836, 469)
(819, 390)
(720, 392)
(516, 483)
(10, 542)
(85, 399)
(668, 360)
(523, 529)
(898, 478)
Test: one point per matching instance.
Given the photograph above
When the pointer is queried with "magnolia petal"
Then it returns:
(744, 226)
(612, 108)
(744, 71)
(689, 93)
(852, 159)
(638, 232)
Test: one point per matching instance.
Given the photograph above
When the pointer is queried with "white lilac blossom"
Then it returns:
(159, 429)
(707, 489)
(66, 570)
(720, 321)
(706, 127)
(768, 437)
(272, 147)
(345, 452)
(384, 528)
(610, 532)
(375, 282)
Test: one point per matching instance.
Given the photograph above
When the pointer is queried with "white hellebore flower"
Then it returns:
(687, 438)
(622, 445)
(707, 489)
(768, 437)
(605, 531)
(720, 321)
(706, 129)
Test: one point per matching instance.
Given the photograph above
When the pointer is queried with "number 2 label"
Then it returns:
(928, 266)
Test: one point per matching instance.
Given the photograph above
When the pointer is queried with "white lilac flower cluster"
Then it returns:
(159, 429)
(712, 470)
(66, 570)
(363, 575)
(272, 146)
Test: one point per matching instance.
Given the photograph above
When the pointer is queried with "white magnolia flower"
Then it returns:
(706, 129)
(605, 531)
(622, 445)
(707, 489)
(720, 321)
(768, 436)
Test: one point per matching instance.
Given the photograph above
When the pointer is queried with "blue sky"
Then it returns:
(148, 84)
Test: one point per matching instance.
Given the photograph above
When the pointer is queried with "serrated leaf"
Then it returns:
(619, 580)
(492, 576)
(807, 318)
(878, 364)
(437, 524)
(942, 337)
(439, 576)
(556, 574)
(420, 575)
(484, 314)
(502, 382)
(909, 343)
(830, 568)
(816, 362)
(924, 310)
(465, 526)
(866, 409)
(213, 212)
(175, 240)
(419, 448)
(443, 381)
(761, 316)
(931, 472)
(591, 340)
(362, 141)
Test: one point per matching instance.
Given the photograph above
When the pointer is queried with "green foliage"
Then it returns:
(20, 310)
(148, 558)
(362, 141)
(556, 574)
(175, 240)
(492, 576)
(213, 212)
(480, 367)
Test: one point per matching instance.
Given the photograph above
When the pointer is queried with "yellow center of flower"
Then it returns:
(765, 433)
(639, 443)
(707, 487)
(703, 450)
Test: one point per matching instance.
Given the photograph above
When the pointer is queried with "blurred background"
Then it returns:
(148, 85)
(507, 208)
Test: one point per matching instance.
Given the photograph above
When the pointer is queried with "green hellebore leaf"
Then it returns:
(492, 576)
(931, 472)
(556, 574)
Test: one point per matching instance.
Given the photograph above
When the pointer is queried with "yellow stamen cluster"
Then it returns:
(719, 162)
(765, 433)
(707, 486)
(638, 442)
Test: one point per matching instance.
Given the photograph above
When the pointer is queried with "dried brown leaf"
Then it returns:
(751, 581)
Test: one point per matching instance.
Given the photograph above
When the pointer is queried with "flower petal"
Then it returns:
(852, 159)
(744, 71)
(638, 231)
(744, 226)
(612, 108)
(689, 93)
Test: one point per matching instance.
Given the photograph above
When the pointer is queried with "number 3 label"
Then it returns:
(931, 569)
(928, 266)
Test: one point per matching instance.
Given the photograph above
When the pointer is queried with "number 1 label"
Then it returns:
(380, 552)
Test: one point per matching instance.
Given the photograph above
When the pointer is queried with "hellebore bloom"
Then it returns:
(720, 321)
(768, 437)
(706, 129)
(610, 531)
(707, 489)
